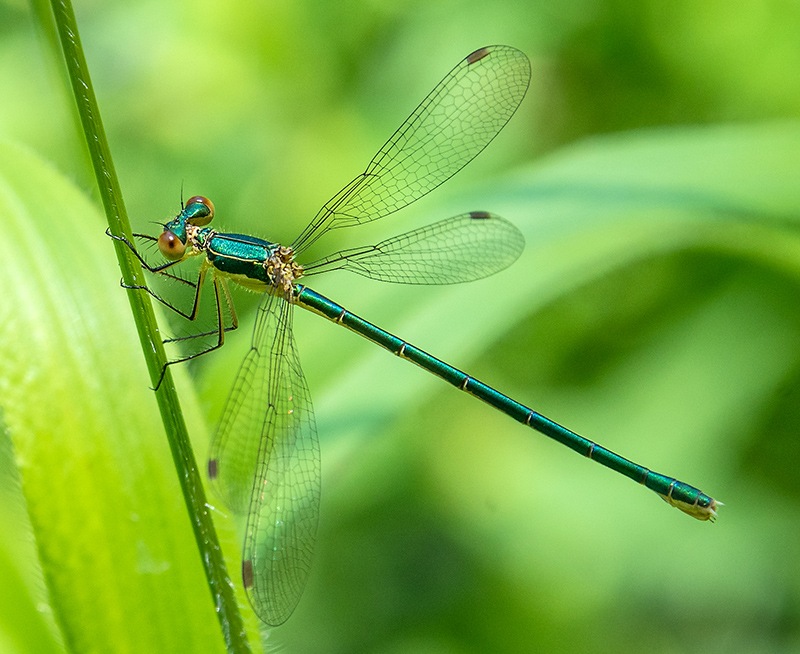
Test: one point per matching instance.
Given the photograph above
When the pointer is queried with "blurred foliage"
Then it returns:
(654, 171)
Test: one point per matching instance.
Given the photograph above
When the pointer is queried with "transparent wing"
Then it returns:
(457, 120)
(458, 249)
(265, 460)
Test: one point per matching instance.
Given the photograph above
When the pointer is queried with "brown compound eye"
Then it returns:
(199, 210)
(171, 246)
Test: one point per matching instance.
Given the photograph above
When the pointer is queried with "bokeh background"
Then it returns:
(654, 169)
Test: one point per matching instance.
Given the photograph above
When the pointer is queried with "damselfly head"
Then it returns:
(197, 212)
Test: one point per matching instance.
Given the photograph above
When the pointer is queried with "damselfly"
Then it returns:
(265, 459)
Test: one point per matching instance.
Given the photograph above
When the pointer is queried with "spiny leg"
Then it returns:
(219, 331)
(163, 270)
(195, 310)
(153, 269)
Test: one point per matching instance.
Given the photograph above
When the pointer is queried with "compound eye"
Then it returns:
(171, 246)
(199, 210)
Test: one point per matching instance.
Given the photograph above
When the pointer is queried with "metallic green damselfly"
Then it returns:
(265, 459)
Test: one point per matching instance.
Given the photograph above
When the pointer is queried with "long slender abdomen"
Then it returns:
(679, 494)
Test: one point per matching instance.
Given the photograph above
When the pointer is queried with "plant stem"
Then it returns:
(188, 475)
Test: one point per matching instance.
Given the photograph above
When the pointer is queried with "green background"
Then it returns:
(654, 169)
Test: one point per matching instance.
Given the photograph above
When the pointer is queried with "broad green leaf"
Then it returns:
(117, 557)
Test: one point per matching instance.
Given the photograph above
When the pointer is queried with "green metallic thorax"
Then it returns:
(238, 254)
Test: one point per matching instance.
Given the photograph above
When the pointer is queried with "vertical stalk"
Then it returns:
(188, 475)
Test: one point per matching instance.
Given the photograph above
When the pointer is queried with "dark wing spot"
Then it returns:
(212, 469)
(477, 55)
(247, 573)
(480, 215)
